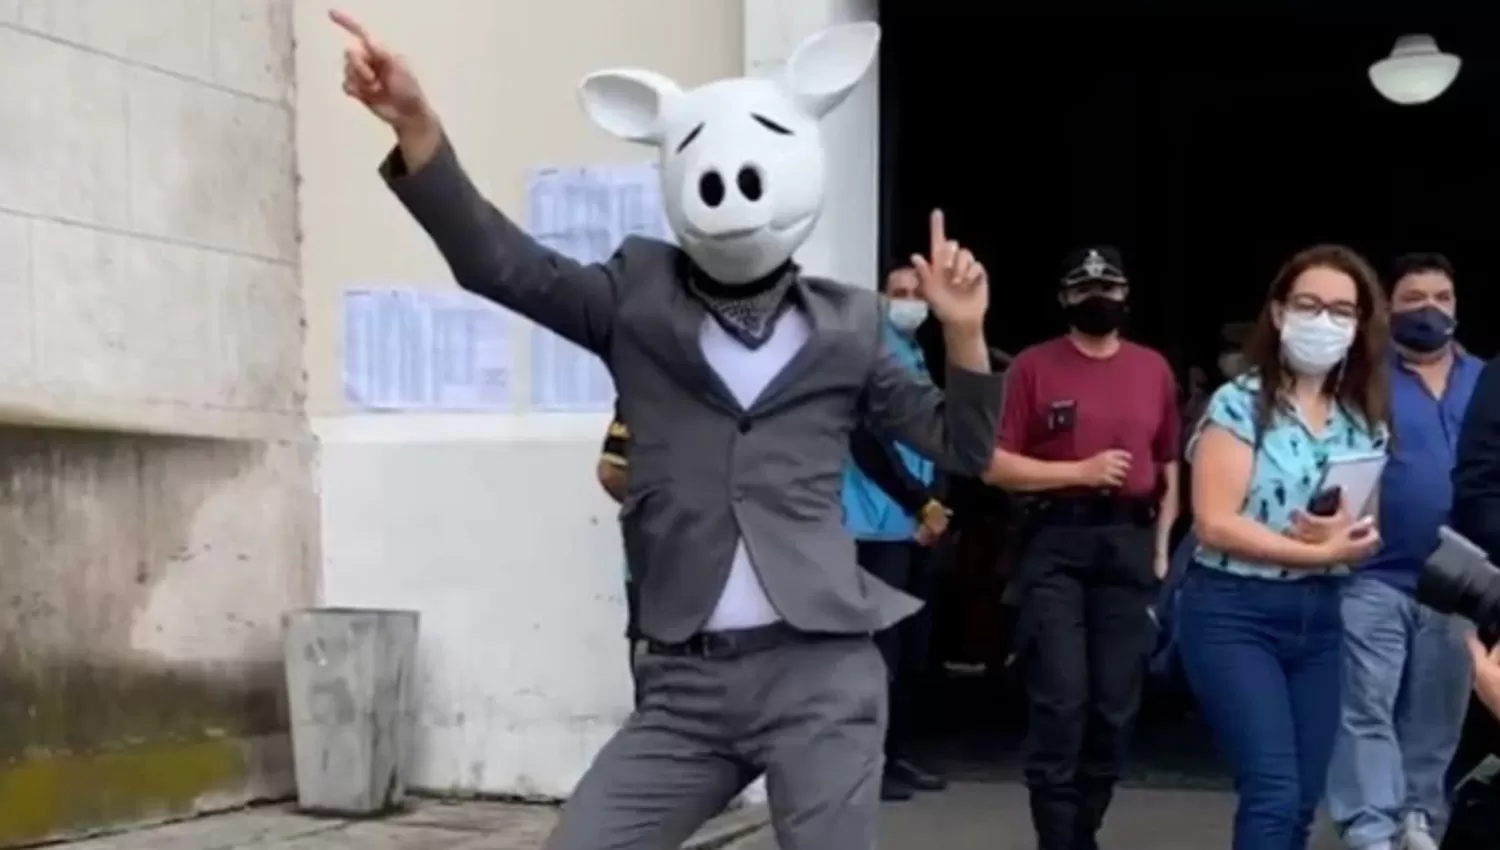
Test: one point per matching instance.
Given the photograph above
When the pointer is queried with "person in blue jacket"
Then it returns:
(892, 509)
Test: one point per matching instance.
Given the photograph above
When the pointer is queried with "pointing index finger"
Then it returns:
(939, 230)
(347, 23)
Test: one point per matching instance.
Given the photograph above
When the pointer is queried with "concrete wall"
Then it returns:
(147, 272)
(493, 526)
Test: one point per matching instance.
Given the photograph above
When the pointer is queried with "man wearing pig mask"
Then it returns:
(741, 378)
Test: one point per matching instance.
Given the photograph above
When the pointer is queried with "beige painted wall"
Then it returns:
(503, 74)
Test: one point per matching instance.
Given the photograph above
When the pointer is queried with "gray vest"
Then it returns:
(704, 471)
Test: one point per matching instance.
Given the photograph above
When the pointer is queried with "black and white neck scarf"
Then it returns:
(746, 311)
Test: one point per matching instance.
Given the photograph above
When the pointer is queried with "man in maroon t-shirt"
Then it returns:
(1090, 430)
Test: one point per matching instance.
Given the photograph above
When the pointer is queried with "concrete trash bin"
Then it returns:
(349, 687)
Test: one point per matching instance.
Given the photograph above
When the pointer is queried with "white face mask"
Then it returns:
(908, 313)
(1314, 345)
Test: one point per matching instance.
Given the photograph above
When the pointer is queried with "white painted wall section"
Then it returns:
(492, 528)
(845, 244)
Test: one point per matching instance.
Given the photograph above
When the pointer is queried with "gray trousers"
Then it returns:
(809, 714)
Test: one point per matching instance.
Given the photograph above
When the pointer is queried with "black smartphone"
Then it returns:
(1325, 503)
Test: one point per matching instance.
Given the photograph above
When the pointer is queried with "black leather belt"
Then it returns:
(733, 643)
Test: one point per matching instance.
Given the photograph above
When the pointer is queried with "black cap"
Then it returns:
(1093, 263)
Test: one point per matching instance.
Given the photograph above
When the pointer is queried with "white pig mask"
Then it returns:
(742, 160)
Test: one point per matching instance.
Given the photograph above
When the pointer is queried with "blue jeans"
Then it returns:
(1406, 689)
(1262, 656)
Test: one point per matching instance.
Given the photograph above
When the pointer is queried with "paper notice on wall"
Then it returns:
(415, 349)
(585, 213)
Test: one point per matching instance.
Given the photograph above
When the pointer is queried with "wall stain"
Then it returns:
(92, 732)
(82, 708)
(50, 795)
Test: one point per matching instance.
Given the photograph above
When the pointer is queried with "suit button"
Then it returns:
(745, 425)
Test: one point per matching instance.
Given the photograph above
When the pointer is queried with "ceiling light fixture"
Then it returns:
(1416, 71)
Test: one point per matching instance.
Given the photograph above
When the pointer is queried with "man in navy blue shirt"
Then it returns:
(1406, 672)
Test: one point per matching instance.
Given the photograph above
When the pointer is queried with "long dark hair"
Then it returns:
(1360, 385)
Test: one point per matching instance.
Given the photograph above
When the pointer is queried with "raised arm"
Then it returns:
(488, 254)
(955, 431)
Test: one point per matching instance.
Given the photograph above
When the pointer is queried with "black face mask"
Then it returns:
(1424, 330)
(1096, 315)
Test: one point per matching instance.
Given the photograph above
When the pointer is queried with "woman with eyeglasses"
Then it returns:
(1259, 627)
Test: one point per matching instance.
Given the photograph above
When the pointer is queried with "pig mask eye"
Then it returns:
(771, 125)
(688, 139)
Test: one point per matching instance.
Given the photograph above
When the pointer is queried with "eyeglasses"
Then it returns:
(1311, 307)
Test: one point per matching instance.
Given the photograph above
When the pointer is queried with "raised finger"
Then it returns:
(380, 55)
(939, 232)
(347, 23)
(950, 254)
(375, 52)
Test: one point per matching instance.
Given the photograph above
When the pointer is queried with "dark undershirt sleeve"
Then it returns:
(1476, 474)
(879, 461)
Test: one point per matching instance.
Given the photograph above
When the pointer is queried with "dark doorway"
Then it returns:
(1209, 145)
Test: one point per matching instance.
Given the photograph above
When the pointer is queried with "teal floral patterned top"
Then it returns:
(1289, 464)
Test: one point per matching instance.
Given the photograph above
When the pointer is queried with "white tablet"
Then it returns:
(1357, 476)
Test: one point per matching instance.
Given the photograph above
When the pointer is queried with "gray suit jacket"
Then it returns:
(705, 472)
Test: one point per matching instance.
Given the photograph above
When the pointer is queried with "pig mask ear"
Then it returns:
(825, 68)
(628, 103)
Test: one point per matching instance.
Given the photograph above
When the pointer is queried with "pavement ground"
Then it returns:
(968, 816)
(994, 816)
(426, 825)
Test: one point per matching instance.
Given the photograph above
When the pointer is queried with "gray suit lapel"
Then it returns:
(686, 316)
(822, 322)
